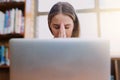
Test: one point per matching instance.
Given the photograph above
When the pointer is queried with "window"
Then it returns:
(109, 23)
(88, 25)
(107, 4)
(98, 18)
(110, 29)
(42, 31)
(45, 5)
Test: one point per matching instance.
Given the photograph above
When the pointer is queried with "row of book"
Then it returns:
(12, 0)
(12, 21)
(4, 57)
(112, 77)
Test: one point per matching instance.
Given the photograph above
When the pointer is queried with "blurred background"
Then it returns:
(98, 19)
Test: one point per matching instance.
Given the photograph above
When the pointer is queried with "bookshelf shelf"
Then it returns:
(4, 72)
(9, 5)
(9, 36)
(4, 67)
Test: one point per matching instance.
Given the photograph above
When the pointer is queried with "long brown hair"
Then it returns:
(67, 9)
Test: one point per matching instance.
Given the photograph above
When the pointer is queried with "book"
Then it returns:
(18, 20)
(2, 56)
(22, 26)
(112, 77)
(6, 23)
(12, 21)
(12, 0)
(7, 60)
(2, 18)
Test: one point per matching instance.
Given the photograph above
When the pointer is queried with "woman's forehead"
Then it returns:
(61, 18)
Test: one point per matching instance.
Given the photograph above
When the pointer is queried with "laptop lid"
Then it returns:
(59, 59)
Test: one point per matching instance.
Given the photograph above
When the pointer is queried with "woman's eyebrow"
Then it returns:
(56, 25)
(67, 24)
(64, 25)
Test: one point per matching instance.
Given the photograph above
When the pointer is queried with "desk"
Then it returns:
(115, 57)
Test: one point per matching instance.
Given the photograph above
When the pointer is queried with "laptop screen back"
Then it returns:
(59, 59)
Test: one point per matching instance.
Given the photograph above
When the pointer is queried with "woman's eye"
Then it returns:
(57, 27)
(67, 27)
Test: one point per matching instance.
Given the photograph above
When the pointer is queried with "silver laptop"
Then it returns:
(59, 59)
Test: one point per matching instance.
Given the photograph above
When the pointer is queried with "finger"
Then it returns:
(62, 32)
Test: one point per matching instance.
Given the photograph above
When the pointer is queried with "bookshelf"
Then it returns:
(4, 67)
(115, 68)
(27, 10)
(4, 73)
(6, 36)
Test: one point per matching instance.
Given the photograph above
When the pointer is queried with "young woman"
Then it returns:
(63, 21)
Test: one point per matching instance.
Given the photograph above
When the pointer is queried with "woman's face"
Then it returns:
(62, 26)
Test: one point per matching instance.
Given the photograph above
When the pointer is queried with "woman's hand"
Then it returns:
(62, 32)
